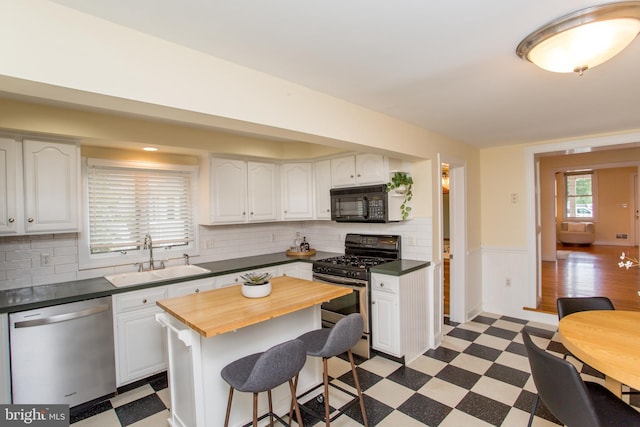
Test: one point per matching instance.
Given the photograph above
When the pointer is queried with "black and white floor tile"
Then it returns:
(479, 376)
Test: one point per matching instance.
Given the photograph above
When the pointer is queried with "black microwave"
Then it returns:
(370, 203)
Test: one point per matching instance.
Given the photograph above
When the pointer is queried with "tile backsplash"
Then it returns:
(21, 257)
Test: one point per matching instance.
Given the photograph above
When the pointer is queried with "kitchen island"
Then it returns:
(208, 330)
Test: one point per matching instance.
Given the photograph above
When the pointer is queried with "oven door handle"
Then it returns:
(340, 280)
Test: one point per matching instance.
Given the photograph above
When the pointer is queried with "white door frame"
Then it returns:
(457, 237)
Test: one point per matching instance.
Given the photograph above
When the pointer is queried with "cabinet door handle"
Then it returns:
(12, 220)
(144, 301)
(197, 290)
(382, 285)
(373, 302)
(30, 220)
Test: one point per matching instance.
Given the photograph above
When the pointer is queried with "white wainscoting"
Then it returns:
(500, 264)
(435, 299)
(474, 296)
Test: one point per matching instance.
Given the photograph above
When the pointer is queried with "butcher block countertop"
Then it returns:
(224, 310)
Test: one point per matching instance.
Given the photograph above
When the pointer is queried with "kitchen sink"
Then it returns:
(150, 276)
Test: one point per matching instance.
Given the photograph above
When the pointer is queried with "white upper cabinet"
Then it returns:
(371, 169)
(236, 191)
(9, 192)
(322, 175)
(51, 186)
(297, 190)
(262, 191)
(40, 191)
(359, 169)
(228, 191)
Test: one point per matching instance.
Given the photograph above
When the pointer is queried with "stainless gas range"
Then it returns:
(361, 252)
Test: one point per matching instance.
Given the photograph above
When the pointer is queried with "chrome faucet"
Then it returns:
(148, 244)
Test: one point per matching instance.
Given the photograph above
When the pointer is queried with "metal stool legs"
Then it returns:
(360, 398)
(294, 404)
(326, 384)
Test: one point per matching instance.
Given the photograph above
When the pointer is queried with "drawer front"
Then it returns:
(191, 287)
(380, 282)
(138, 299)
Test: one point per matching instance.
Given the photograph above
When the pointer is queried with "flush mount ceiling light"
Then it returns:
(583, 39)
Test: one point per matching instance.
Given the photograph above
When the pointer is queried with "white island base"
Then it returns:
(198, 392)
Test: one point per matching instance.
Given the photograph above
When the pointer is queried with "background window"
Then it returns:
(580, 195)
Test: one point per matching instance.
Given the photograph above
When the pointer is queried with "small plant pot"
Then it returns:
(401, 189)
(256, 291)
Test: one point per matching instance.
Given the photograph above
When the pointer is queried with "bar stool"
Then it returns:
(330, 342)
(264, 371)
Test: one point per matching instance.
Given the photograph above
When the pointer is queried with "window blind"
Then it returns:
(127, 203)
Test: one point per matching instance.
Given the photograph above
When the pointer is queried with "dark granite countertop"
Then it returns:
(400, 267)
(32, 297)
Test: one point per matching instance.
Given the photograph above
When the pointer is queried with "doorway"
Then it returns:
(446, 229)
(453, 235)
(533, 188)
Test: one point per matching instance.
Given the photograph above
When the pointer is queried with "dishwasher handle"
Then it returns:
(63, 317)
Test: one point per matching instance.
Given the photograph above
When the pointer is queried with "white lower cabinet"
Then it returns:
(139, 339)
(291, 270)
(191, 287)
(305, 270)
(399, 314)
(385, 315)
(299, 270)
(228, 280)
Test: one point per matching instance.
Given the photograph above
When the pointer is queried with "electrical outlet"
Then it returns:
(44, 260)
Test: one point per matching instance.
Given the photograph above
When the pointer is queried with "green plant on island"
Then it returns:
(402, 183)
(254, 279)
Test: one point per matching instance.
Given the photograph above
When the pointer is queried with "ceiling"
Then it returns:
(447, 66)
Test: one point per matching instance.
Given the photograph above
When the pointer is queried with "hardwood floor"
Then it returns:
(591, 271)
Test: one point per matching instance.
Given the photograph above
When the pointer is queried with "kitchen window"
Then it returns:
(127, 200)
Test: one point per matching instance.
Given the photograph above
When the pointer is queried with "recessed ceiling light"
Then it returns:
(150, 149)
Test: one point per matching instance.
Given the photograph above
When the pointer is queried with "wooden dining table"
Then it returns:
(606, 340)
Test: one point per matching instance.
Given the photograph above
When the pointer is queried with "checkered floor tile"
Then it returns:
(479, 376)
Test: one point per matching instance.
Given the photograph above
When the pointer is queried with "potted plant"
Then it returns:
(402, 183)
(256, 285)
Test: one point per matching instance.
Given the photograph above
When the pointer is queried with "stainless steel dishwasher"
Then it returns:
(63, 354)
